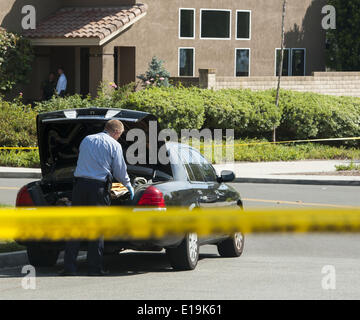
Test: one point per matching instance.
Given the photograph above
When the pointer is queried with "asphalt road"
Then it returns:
(271, 267)
(254, 195)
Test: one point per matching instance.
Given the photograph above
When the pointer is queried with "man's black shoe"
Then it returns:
(100, 273)
(64, 273)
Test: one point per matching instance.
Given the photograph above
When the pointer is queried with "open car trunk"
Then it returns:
(60, 134)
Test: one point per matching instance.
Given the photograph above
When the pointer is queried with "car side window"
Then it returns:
(192, 164)
(207, 169)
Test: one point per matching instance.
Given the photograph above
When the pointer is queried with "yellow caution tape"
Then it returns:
(283, 142)
(59, 223)
(231, 145)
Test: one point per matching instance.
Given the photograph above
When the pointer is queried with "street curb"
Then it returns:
(37, 175)
(298, 181)
(13, 259)
(20, 175)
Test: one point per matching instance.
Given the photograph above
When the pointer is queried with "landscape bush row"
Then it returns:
(251, 114)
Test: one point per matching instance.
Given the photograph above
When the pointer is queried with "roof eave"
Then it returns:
(93, 41)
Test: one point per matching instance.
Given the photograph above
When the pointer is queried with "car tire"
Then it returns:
(42, 257)
(232, 247)
(186, 255)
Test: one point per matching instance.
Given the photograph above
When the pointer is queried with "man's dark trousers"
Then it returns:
(87, 192)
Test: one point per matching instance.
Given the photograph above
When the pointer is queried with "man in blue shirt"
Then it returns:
(100, 159)
(62, 83)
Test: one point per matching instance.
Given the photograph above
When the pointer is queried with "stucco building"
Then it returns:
(114, 40)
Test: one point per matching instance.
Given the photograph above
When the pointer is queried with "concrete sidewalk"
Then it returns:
(295, 172)
(20, 173)
(251, 172)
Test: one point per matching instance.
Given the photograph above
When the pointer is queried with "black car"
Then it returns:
(184, 182)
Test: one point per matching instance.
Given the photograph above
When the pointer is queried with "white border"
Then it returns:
(236, 25)
(236, 49)
(304, 49)
(194, 10)
(230, 25)
(290, 62)
(193, 75)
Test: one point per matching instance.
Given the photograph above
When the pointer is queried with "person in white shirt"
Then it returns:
(62, 83)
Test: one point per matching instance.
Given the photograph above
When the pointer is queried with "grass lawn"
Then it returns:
(350, 167)
(289, 152)
(250, 153)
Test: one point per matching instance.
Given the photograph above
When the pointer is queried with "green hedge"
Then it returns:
(17, 124)
(310, 115)
(175, 108)
(251, 114)
(57, 103)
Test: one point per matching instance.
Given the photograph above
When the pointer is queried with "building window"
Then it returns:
(242, 62)
(215, 24)
(243, 25)
(298, 62)
(286, 64)
(294, 62)
(186, 62)
(187, 23)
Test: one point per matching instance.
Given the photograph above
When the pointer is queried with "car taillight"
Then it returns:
(23, 198)
(152, 197)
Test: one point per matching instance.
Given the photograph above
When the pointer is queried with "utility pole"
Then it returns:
(281, 61)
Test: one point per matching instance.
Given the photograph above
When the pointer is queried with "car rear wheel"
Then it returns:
(185, 256)
(42, 257)
(232, 247)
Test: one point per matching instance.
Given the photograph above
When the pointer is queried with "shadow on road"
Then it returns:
(124, 264)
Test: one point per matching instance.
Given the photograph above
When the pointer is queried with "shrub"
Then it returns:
(311, 115)
(16, 56)
(109, 95)
(156, 75)
(301, 114)
(17, 124)
(58, 103)
(20, 158)
(248, 113)
(176, 109)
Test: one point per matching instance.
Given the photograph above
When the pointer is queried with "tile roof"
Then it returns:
(86, 22)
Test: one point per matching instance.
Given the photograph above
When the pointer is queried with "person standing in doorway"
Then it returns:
(62, 83)
(49, 86)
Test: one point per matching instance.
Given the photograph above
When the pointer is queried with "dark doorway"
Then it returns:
(84, 71)
(64, 57)
(124, 65)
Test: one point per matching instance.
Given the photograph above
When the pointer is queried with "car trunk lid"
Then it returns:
(61, 132)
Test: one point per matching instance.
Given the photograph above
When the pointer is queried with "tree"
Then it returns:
(16, 56)
(156, 74)
(343, 43)
(281, 62)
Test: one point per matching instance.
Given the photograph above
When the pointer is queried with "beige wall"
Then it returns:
(331, 83)
(157, 34)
